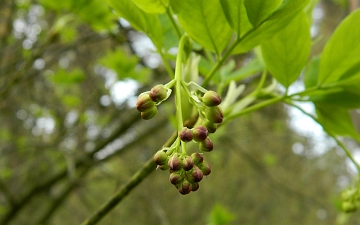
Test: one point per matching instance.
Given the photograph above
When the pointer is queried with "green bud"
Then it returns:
(185, 187)
(174, 163)
(160, 158)
(186, 134)
(197, 158)
(211, 98)
(175, 178)
(214, 114)
(194, 186)
(162, 167)
(210, 126)
(348, 207)
(148, 114)
(200, 133)
(196, 174)
(144, 103)
(205, 168)
(206, 145)
(158, 93)
(187, 163)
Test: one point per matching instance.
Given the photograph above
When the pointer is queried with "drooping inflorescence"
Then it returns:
(186, 171)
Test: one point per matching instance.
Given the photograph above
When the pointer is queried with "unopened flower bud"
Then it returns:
(187, 163)
(210, 126)
(214, 114)
(144, 103)
(186, 134)
(175, 178)
(160, 158)
(148, 114)
(185, 187)
(197, 158)
(206, 145)
(158, 93)
(163, 167)
(174, 163)
(196, 174)
(200, 133)
(348, 206)
(211, 98)
(205, 168)
(194, 186)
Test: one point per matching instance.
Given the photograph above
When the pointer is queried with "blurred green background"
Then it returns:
(70, 136)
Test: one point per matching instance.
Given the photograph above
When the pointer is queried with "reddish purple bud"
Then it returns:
(211, 98)
(149, 113)
(186, 134)
(214, 114)
(210, 126)
(185, 187)
(194, 186)
(158, 93)
(161, 158)
(175, 178)
(196, 174)
(187, 163)
(174, 163)
(144, 103)
(205, 168)
(197, 158)
(206, 145)
(200, 133)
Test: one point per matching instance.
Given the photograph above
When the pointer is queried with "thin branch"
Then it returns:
(135, 180)
(62, 174)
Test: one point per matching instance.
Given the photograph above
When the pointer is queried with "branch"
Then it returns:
(135, 180)
(62, 174)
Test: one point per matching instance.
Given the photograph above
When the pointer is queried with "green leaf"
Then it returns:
(235, 14)
(345, 99)
(253, 67)
(152, 6)
(169, 33)
(147, 23)
(220, 216)
(71, 100)
(259, 10)
(276, 22)
(287, 52)
(68, 77)
(205, 22)
(94, 12)
(341, 54)
(124, 65)
(336, 120)
(311, 72)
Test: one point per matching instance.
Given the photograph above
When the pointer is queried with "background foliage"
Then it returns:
(70, 72)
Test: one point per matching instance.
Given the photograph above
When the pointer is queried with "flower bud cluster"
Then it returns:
(351, 199)
(185, 171)
(198, 134)
(213, 113)
(147, 102)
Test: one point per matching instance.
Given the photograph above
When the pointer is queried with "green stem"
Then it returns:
(262, 82)
(170, 15)
(166, 65)
(346, 150)
(255, 107)
(178, 80)
(224, 58)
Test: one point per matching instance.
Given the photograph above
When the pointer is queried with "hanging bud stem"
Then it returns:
(178, 79)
